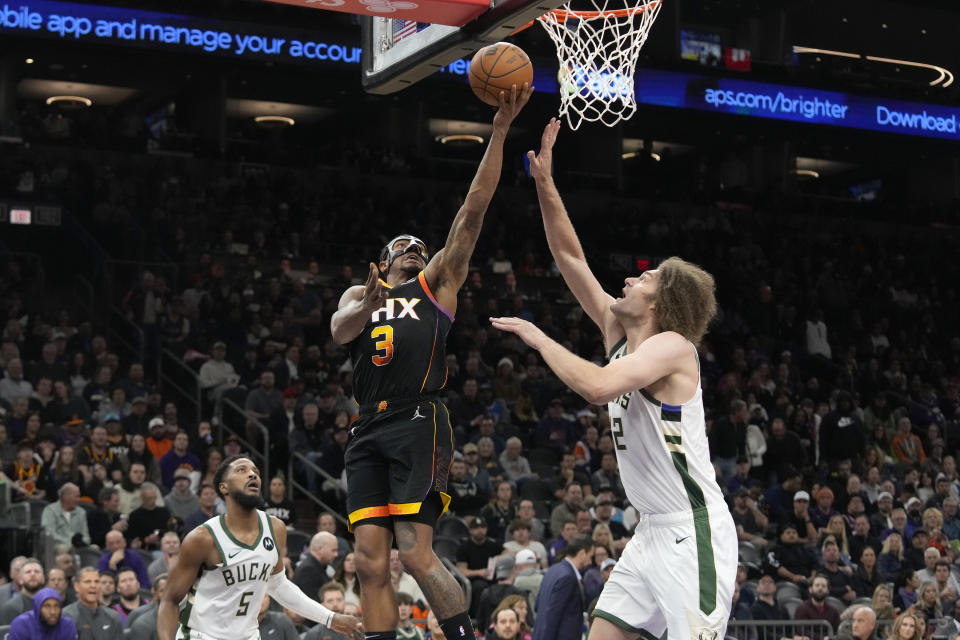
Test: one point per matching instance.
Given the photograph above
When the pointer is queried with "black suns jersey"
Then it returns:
(401, 353)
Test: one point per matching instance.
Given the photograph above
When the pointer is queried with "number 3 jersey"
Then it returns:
(401, 353)
(225, 599)
(662, 451)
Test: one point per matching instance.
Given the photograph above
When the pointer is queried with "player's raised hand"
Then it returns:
(511, 103)
(374, 295)
(541, 164)
(526, 331)
(347, 625)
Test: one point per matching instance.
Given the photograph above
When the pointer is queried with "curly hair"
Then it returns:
(684, 301)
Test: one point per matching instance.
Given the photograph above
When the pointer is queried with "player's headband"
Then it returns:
(388, 254)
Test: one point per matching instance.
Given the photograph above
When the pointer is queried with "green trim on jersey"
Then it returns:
(272, 533)
(187, 609)
(623, 624)
(614, 348)
(252, 547)
(216, 541)
(672, 439)
(701, 526)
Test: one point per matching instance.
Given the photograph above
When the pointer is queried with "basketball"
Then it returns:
(495, 68)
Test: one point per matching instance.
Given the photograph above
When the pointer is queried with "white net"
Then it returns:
(598, 51)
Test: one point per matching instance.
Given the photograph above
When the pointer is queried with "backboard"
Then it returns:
(397, 53)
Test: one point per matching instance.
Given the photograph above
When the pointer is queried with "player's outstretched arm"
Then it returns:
(357, 304)
(290, 596)
(564, 244)
(655, 358)
(194, 552)
(448, 269)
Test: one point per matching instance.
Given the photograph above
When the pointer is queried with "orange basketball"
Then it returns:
(495, 68)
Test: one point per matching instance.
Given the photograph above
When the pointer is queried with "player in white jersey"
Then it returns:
(678, 571)
(228, 564)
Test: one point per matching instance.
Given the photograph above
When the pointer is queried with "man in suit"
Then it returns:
(560, 603)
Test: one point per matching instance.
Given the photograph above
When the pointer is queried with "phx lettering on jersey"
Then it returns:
(247, 572)
(390, 308)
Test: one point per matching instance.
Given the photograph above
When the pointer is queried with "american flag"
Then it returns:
(403, 28)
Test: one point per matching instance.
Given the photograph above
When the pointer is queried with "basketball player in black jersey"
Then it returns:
(401, 445)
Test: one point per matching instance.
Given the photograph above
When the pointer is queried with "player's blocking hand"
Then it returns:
(526, 331)
(374, 295)
(347, 625)
(511, 104)
(541, 164)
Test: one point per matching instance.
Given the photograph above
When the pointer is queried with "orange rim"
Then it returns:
(562, 15)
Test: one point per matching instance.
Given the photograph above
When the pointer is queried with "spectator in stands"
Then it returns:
(178, 457)
(791, 560)
(12, 587)
(139, 452)
(781, 498)
(838, 577)
(473, 557)
(567, 509)
(913, 555)
(841, 434)
(214, 456)
(504, 573)
(148, 520)
(274, 624)
(906, 627)
(207, 508)
(487, 457)
(861, 537)
(749, 520)
(882, 520)
(331, 596)
(816, 607)
(728, 438)
(864, 624)
(506, 626)
(28, 475)
(13, 385)
(278, 505)
(905, 589)
(474, 471)
(466, 498)
(899, 524)
(567, 533)
(801, 518)
(906, 446)
(821, 513)
(137, 422)
(529, 577)
(170, 551)
(217, 374)
(866, 576)
(555, 429)
(520, 533)
(607, 477)
(94, 621)
(928, 603)
(500, 511)
(347, 576)
(118, 556)
(316, 568)
(930, 557)
(181, 501)
(31, 580)
(142, 621)
(265, 399)
(890, 562)
(404, 582)
(64, 521)
(159, 441)
(765, 607)
(128, 587)
(515, 466)
(327, 522)
(560, 606)
(946, 586)
(784, 450)
(527, 513)
(44, 621)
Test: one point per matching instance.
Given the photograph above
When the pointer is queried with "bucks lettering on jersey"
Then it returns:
(225, 599)
(402, 351)
(662, 450)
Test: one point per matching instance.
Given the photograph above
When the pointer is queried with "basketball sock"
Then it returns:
(457, 627)
(380, 635)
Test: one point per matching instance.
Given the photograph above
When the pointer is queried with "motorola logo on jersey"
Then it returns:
(268, 544)
(389, 310)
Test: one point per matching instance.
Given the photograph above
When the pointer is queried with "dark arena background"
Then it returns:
(187, 188)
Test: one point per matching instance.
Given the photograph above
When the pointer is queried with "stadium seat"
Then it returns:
(790, 604)
(89, 557)
(446, 548)
(147, 556)
(861, 601)
(837, 603)
(788, 590)
(749, 555)
(296, 542)
(4, 631)
(536, 490)
(452, 527)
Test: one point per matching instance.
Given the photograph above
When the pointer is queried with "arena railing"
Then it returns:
(779, 630)
(188, 385)
(122, 332)
(297, 457)
(221, 418)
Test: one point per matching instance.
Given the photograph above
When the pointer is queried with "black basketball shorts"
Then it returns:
(396, 458)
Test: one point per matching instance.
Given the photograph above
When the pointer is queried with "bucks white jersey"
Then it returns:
(225, 599)
(662, 451)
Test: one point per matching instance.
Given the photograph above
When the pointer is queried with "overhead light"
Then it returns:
(274, 121)
(460, 139)
(636, 154)
(70, 102)
(826, 52)
(29, 61)
(655, 156)
(806, 173)
(944, 77)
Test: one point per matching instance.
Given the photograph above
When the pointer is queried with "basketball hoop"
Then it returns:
(598, 51)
